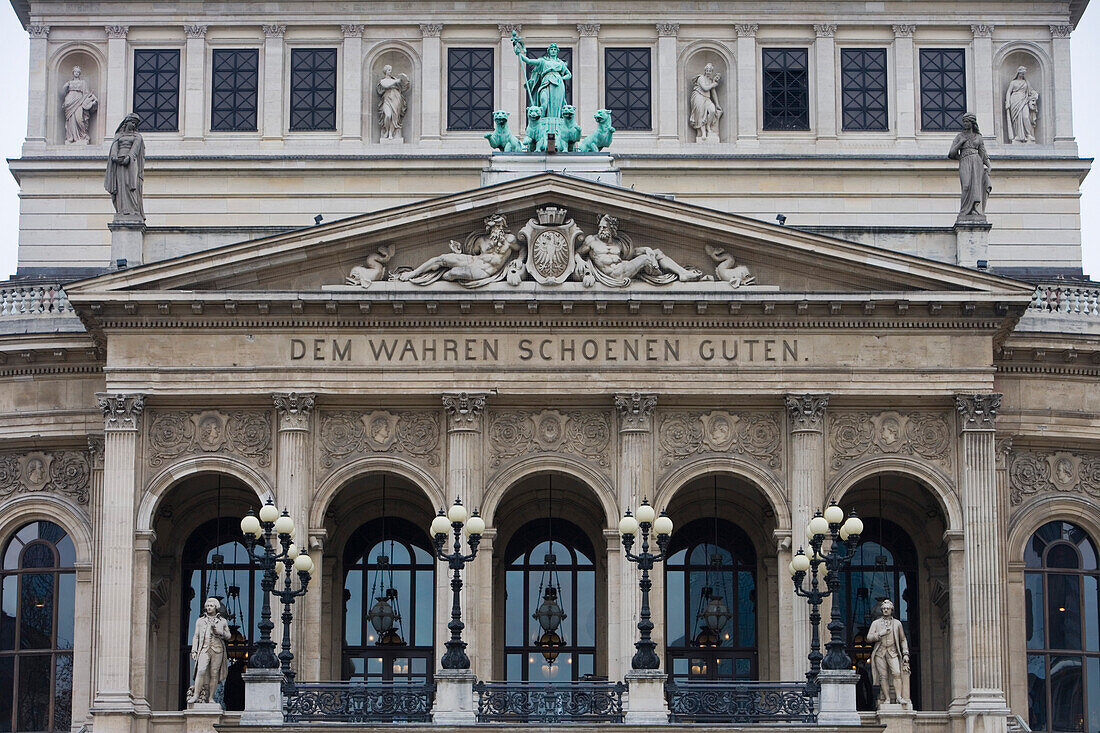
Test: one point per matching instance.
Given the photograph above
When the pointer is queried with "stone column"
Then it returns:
(789, 668)
(114, 701)
(635, 483)
(194, 103)
(984, 104)
(144, 541)
(906, 81)
(309, 628)
(748, 96)
(431, 99)
(668, 112)
(986, 706)
(806, 419)
(36, 84)
(481, 580)
(351, 126)
(1063, 89)
(272, 112)
(586, 75)
(512, 75)
(116, 107)
(825, 80)
(953, 541)
(464, 481)
(95, 509)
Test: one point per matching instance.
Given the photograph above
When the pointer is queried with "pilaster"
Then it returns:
(274, 52)
(825, 80)
(115, 108)
(95, 509)
(748, 97)
(905, 81)
(351, 127)
(431, 51)
(984, 103)
(586, 81)
(139, 638)
(194, 107)
(667, 109)
(1063, 87)
(512, 73)
(36, 83)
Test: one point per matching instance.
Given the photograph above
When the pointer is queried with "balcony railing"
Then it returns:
(1068, 299)
(347, 702)
(533, 702)
(33, 300)
(742, 703)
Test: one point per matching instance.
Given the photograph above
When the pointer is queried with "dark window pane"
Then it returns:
(353, 608)
(157, 89)
(942, 88)
(628, 88)
(36, 611)
(1034, 615)
(1063, 556)
(66, 610)
(1091, 622)
(63, 692)
(1066, 693)
(1064, 611)
(234, 88)
(9, 598)
(566, 55)
(7, 692)
(1037, 692)
(469, 89)
(32, 699)
(786, 89)
(1092, 677)
(863, 88)
(313, 89)
(38, 555)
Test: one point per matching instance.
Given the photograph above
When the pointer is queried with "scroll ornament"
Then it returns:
(757, 435)
(246, 433)
(67, 473)
(854, 435)
(345, 434)
(1032, 473)
(584, 433)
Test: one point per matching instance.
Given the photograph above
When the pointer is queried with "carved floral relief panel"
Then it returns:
(344, 435)
(585, 434)
(176, 433)
(1037, 472)
(858, 435)
(756, 436)
(67, 473)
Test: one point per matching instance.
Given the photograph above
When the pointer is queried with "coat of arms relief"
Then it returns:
(551, 250)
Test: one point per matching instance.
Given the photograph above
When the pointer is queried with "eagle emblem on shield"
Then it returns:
(550, 245)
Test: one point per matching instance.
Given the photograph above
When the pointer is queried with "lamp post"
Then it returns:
(456, 519)
(645, 520)
(844, 538)
(258, 532)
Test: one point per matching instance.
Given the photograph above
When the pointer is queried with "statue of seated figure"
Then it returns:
(610, 259)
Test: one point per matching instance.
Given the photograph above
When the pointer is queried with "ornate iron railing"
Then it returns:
(745, 703)
(347, 702)
(533, 702)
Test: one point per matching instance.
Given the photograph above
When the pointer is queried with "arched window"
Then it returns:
(711, 567)
(526, 578)
(37, 598)
(884, 566)
(215, 563)
(1063, 632)
(382, 556)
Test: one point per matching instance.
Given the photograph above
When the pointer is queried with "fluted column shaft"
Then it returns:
(139, 635)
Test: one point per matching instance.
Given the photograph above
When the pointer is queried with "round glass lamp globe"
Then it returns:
(303, 564)
(854, 525)
(293, 551)
(440, 525)
(268, 513)
(250, 525)
(628, 525)
(645, 514)
(662, 525)
(790, 568)
(818, 525)
(834, 514)
(284, 524)
(801, 563)
(457, 513)
(475, 525)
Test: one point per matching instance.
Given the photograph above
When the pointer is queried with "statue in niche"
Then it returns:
(609, 258)
(1022, 107)
(969, 149)
(705, 109)
(484, 258)
(890, 656)
(78, 104)
(126, 171)
(393, 103)
(208, 651)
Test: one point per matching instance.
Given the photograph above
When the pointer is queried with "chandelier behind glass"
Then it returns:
(385, 614)
(219, 579)
(713, 614)
(550, 613)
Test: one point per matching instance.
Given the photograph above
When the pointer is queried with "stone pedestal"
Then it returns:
(646, 704)
(201, 717)
(971, 242)
(127, 242)
(599, 167)
(396, 141)
(837, 703)
(454, 698)
(263, 697)
(897, 717)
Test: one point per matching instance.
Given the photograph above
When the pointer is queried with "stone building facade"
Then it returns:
(161, 379)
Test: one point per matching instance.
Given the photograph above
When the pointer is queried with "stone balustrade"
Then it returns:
(1068, 299)
(33, 300)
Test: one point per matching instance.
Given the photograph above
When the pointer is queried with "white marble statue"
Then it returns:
(373, 271)
(393, 103)
(1022, 108)
(890, 656)
(484, 258)
(78, 104)
(609, 258)
(969, 149)
(125, 176)
(209, 653)
(706, 111)
(727, 270)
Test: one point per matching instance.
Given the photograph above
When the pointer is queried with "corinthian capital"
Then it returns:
(464, 410)
(635, 411)
(121, 411)
(38, 31)
(196, 30)
(431, 30)
(977, 411)
(806, 411)
(294, 409)
(116, 31)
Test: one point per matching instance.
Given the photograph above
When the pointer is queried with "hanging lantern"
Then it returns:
(715, 614)
(550, 645)
(236, 645)
(382, 617)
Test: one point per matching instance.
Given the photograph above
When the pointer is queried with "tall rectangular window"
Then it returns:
(864, 98)
(234, 89)
(313, 89)
(157, 89)
(628, 88)
(942, 88)
(469, 89)
(786, 89)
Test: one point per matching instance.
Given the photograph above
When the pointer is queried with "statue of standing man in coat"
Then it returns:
(209, 652)
(890, 656)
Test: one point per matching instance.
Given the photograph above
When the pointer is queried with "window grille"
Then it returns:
(942, 88)
(157, 89)
(786, 89)
(628, 88)
(234, 89)
(470, 89)
(313, 89)
(864, 97)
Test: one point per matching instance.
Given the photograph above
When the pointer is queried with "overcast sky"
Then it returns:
(1086, 114)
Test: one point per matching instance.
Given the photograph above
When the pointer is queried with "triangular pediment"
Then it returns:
(781, 261)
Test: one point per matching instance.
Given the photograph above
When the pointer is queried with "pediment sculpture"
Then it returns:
(550, 250)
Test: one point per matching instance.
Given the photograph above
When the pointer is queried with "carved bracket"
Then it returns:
(755, 435)
(67, 473)
(583, 433)
(246, 433)
(344, 435)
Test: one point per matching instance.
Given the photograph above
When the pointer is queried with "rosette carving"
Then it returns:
(1036, 472)
(347, 434)
(246, 433)
(59, 472)
(757, 435)
(856, 435)
(583, 433)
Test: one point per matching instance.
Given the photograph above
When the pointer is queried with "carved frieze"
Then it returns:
(59, 472)
(1037, 472)
(854, 435)
(583, 433)
(755, 435)
(174, 433)
(347, 434)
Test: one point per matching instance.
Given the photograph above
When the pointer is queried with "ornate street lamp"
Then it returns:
(844, 539)
(258, 532)
(456, 519)
(645, 520)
